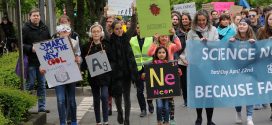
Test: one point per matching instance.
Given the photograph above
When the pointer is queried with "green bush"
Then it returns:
(7, 68)
(15, 104)
(3, 120)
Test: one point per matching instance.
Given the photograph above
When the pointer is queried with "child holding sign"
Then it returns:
(99, 83)
(164, 40)
(161, 56)
(66, 91)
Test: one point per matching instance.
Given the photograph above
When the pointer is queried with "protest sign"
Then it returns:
(228, 74)
(162, 81)
(187, 7)
(235, 9)
(120, 7)
(208, 7)
(57, 58)
(221, 6)
(98, 63)
(154, 17)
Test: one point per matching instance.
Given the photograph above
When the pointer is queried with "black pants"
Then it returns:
(209, 113)
(140, 93)
(118, 100)
(183, 82)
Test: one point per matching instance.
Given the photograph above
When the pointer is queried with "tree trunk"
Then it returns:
(80, 18)
(70, 11)
(96, 8)
(5, 8)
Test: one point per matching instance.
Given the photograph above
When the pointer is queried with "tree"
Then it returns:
(80, 17)
(96, 8)
(69, 5)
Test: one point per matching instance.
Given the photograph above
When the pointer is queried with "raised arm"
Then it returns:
(132, 29)
(152, 49)
(176, 46)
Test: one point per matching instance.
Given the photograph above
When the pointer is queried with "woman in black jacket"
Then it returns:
(100, 82)
(124, 69)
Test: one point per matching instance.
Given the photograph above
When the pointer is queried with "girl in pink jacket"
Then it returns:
(164, 40)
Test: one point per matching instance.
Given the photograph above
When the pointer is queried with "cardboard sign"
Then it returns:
(207, 6)
(162, 81)
(235, 9)
(56, 56)
(120, 7)
(98, 63)
(187, 7)
(154, 17)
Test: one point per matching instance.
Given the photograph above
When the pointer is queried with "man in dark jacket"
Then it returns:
(254, 19)
(2, 38)
(34, 31)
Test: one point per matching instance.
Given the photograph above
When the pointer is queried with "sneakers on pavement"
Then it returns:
(172, 122)
(211, 123)
(198, 121)
(271, 116)
(238, 118)
(258, 107)
(150, 108)
(250, 122)
(46, 111)
(110, 112)
(143, 113)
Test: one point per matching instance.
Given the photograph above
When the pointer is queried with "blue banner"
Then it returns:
(227, 74)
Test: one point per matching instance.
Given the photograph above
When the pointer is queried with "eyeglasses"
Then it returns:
(251, 15)
(118, 28)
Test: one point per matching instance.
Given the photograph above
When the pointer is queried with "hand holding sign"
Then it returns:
(98, 63)
(162, 81)
(42, 70)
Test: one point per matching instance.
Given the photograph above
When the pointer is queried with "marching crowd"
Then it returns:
(128, 52)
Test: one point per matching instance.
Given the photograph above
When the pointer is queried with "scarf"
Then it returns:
(223, 31)
(198, 28)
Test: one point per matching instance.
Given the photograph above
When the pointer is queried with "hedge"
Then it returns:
(7, 68)
(3, 120)
(15, 104)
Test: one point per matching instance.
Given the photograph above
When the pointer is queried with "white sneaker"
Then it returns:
(238, 118)
(250, 122)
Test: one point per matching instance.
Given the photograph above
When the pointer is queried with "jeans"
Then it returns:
(100, 92)
(249, 109)
(33, 73)
(140, 93)
(162, 104)
(66, 93)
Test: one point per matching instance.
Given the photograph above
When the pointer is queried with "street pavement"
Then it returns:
(183, 115)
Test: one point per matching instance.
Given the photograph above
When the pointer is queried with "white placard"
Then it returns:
(57, 58)
(120, 7)
(98, 63)
(188, 7)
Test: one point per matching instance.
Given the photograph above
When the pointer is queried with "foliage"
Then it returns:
(26, 5)
(15, 104)
(253, 3)
(3, 120)
(7, 68)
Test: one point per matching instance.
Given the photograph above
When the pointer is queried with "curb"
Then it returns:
(37, 118)
(80, 91)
